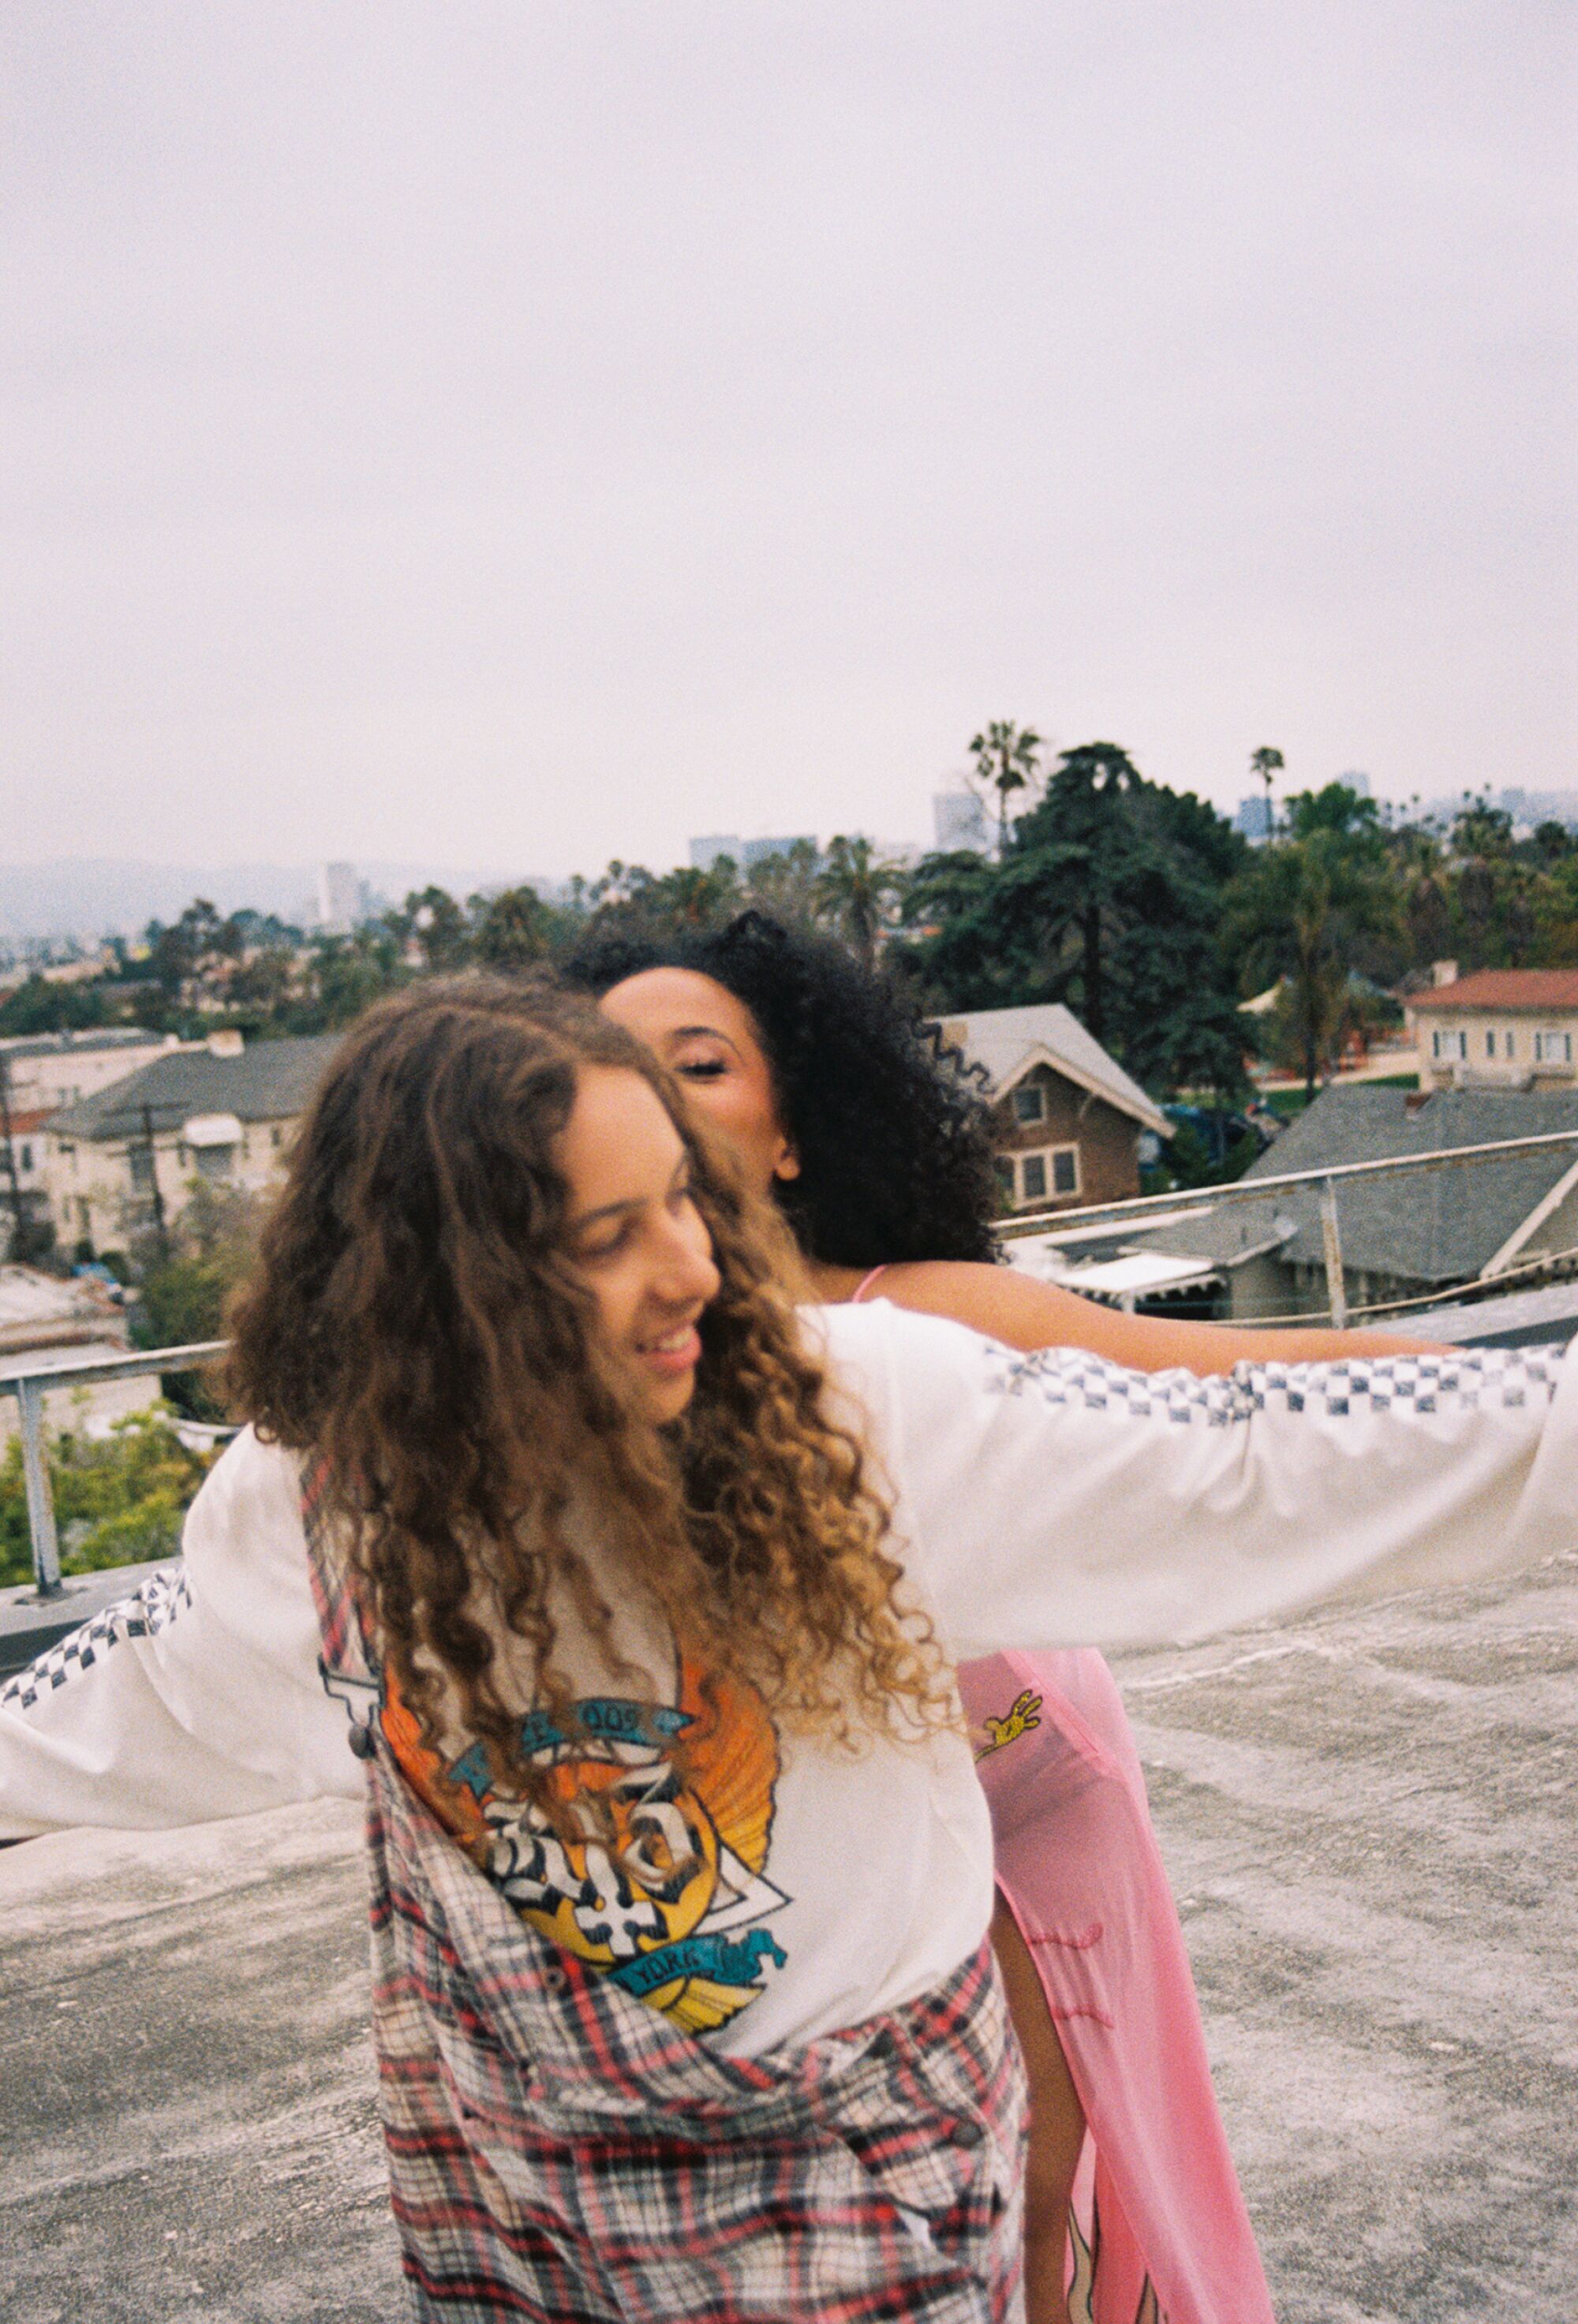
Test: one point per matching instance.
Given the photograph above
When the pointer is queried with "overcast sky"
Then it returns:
(525, 434)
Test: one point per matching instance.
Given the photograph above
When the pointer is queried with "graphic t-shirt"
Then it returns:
(784, 1888)
(674, 1903)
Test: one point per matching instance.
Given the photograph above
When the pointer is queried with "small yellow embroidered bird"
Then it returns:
(1020, 1719)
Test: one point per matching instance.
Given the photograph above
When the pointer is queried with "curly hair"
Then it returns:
(890, 1129)
(417, 1325)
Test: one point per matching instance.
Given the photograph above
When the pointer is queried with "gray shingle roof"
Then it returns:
(1427, 1226)
(269, 1081)
(1007, 1040)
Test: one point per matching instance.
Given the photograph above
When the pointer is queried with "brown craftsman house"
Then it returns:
(1066, 1119)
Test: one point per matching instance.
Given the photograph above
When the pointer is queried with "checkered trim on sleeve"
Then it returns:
(143, 1615)
(1490, 1377)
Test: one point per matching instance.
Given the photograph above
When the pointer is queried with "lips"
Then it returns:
(679, 1350)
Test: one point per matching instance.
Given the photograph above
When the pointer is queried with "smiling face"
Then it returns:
(710, 1041)
(635, 1233)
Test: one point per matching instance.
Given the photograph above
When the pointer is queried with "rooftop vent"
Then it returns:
(226, 1043)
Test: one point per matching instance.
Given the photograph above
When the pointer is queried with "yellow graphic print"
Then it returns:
(670, 1904)
(1016, 1721)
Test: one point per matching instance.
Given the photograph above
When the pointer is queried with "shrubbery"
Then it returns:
(119, 1499)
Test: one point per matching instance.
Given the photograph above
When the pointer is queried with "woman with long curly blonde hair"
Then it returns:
(633, 1589)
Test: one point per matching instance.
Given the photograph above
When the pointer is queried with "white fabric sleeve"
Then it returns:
(199, 1697)
(1055, 1500)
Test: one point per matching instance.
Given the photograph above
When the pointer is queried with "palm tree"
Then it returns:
(1294, 913)
(1007, 757)
(1264, 763)
(853, 892)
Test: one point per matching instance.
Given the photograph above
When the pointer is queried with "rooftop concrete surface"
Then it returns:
(1368, 1818)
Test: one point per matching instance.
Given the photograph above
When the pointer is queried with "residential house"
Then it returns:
(23, 1185)
(1514, 1029)
(1405, 1235)
(221, 1112)
(1066, 1119)
(45, 1070)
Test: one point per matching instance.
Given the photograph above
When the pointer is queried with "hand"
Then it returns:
(1020, 1717)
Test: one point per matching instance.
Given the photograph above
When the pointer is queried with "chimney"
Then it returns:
(226, 1043)
(1442, 972)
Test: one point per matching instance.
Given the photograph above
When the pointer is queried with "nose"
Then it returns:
(688, 1271)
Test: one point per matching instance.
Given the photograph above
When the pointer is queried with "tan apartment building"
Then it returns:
(221, 1112)
(46, 1070)
(1066, 1119)
(1513, 1028)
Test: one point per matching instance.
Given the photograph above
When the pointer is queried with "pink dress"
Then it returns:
(1159, 2234)
(1159, 2217)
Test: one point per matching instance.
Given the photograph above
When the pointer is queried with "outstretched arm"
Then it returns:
(197, 1697)
(1055, 1500)
(1008, 1306)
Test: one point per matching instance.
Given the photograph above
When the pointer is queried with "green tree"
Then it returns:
(1298, 912)
(1007, 759)
(512, 929)
(855, 893)
(41, 1005)
(118, 1501)
(785, 883)
(1107, 900)
(1264, 764)
(430, 919)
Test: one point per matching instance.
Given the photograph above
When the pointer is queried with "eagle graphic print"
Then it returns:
(673, 1903)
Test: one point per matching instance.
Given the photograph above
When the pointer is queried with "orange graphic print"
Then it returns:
(671, 1902)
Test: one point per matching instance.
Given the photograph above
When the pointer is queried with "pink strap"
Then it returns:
(860, 1289)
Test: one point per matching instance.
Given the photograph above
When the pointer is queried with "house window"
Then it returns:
(1508, 1038)
(1552, 1048)
(1490, 1043)
(1447, 1045)
(1029, 1102)
(1050, 1172)
(142, 1161)
(24, 1159)
(213, 1162)
(276, 1137)
(1003, 1164)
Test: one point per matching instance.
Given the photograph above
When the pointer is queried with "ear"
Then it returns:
(788, 1165)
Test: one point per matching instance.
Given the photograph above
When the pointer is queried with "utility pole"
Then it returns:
(160, 1229)
(19, 1235)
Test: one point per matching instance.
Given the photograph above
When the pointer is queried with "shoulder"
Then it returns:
(882, 1348)
(254, 1488)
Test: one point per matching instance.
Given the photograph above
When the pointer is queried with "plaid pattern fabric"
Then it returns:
(561, 2154)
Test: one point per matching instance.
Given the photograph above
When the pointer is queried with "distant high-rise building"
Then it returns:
(1355, 779)
(1254, 819)
(704, 852)
(959, 820)
(743, 853)
(339, 897)
(758, 851)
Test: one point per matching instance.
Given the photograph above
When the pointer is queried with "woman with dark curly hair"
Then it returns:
(635, 1592)
(876, 1148)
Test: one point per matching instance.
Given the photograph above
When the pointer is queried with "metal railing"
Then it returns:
(31, 1386)
(1052, 1224)
(30, 1389)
